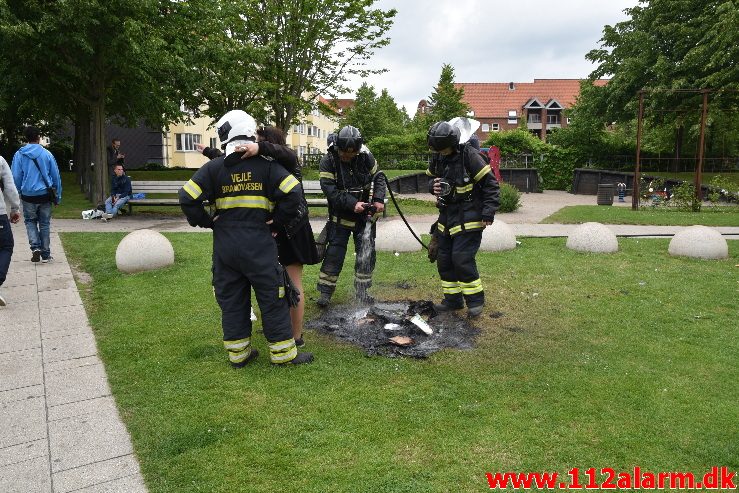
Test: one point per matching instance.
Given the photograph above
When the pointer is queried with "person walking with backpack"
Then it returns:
(7, 190)
(37, 179)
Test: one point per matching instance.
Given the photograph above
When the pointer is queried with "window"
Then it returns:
(186, 142)
(553, 118)
(213, 142)
(568, 120)
(310, 130)
(485, 127)
(512, 118)
(496, 127)
(301, 152)
(534, 118)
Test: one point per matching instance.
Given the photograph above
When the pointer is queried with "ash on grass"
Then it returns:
(365, 326)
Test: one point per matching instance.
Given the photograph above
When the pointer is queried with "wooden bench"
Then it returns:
(155, 187)
(312, 187)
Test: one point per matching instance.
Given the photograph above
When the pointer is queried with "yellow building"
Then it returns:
(308, 137)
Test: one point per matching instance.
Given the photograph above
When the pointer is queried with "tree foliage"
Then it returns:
(446, 101)
(89, 61)
(374, 115)
(667, 45)
(286, 52)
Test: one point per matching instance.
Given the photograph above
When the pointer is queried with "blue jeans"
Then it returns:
(113, 209)
(6, 246)
(38, 226)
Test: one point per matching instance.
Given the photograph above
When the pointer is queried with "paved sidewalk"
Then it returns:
(59, 427)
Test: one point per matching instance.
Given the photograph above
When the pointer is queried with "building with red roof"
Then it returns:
(502, 105)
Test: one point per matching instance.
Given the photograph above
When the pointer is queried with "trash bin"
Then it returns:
(605, 194)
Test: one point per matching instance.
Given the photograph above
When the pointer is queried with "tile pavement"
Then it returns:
(60, 430)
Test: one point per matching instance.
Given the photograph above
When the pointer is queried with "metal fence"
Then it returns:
(664, 164)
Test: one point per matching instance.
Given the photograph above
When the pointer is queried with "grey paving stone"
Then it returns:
(68, 364)
(64, 318)
(53, 268)
(59, 298)
(18, 338)
(74, 409)
(87, 439)
(31, 476)
(22, 421)
(21, 369)
(131, 484)
(22, 393)
(20, 294)
(66, 332)
(71, 347)
(53, 283)
(17, 313)
(18, 277)
(98, 475)
(76, 384)
(23, 452)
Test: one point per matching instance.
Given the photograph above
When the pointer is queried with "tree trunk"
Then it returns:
(82, 150)
(678, 148)
(100, 171)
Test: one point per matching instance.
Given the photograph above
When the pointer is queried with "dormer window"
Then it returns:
(511, 86)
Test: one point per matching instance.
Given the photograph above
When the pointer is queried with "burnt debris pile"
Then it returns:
(407, 328)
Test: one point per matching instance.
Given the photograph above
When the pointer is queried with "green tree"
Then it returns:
(91, 60)
(667, 46)
(295, 50)
(375, 116)
(446, 100)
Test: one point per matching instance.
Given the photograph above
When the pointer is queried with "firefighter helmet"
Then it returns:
(442, 135)
(236, 123)
(349, 138)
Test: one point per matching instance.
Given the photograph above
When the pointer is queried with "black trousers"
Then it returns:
(364, 265)
(460, 279)
(245, 258)
(6, 246)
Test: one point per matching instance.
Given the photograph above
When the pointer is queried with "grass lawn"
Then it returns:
(598, 361)
(709, 216)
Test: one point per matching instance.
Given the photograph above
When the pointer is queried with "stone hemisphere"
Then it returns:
(699, 242)
(143, 250)
(394, 236)
(593, 237)
(498, 237)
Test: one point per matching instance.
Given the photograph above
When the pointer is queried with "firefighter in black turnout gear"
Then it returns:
(247, 194)
(467, 197)
(355, 196)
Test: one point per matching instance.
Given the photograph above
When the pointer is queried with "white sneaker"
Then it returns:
(2, 301)
(107, 216)
(47, 260)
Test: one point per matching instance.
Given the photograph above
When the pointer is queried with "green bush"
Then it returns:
(154, 167)
(410, 164)
(510, 198)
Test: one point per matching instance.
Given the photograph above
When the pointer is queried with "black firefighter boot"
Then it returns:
(324, 300)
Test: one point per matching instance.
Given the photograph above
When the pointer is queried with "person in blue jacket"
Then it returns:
(120, 192)
(35, 174)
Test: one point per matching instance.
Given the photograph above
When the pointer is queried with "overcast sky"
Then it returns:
(488, 41)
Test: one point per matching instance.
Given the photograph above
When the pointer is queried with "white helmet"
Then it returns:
(236, 123)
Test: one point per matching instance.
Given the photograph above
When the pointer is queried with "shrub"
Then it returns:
(154, 167)
(510, 198)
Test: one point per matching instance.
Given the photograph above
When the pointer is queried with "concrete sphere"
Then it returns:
(142, 250)
(593, 237)
(699, 242)
(498, 237)
(393, 236)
